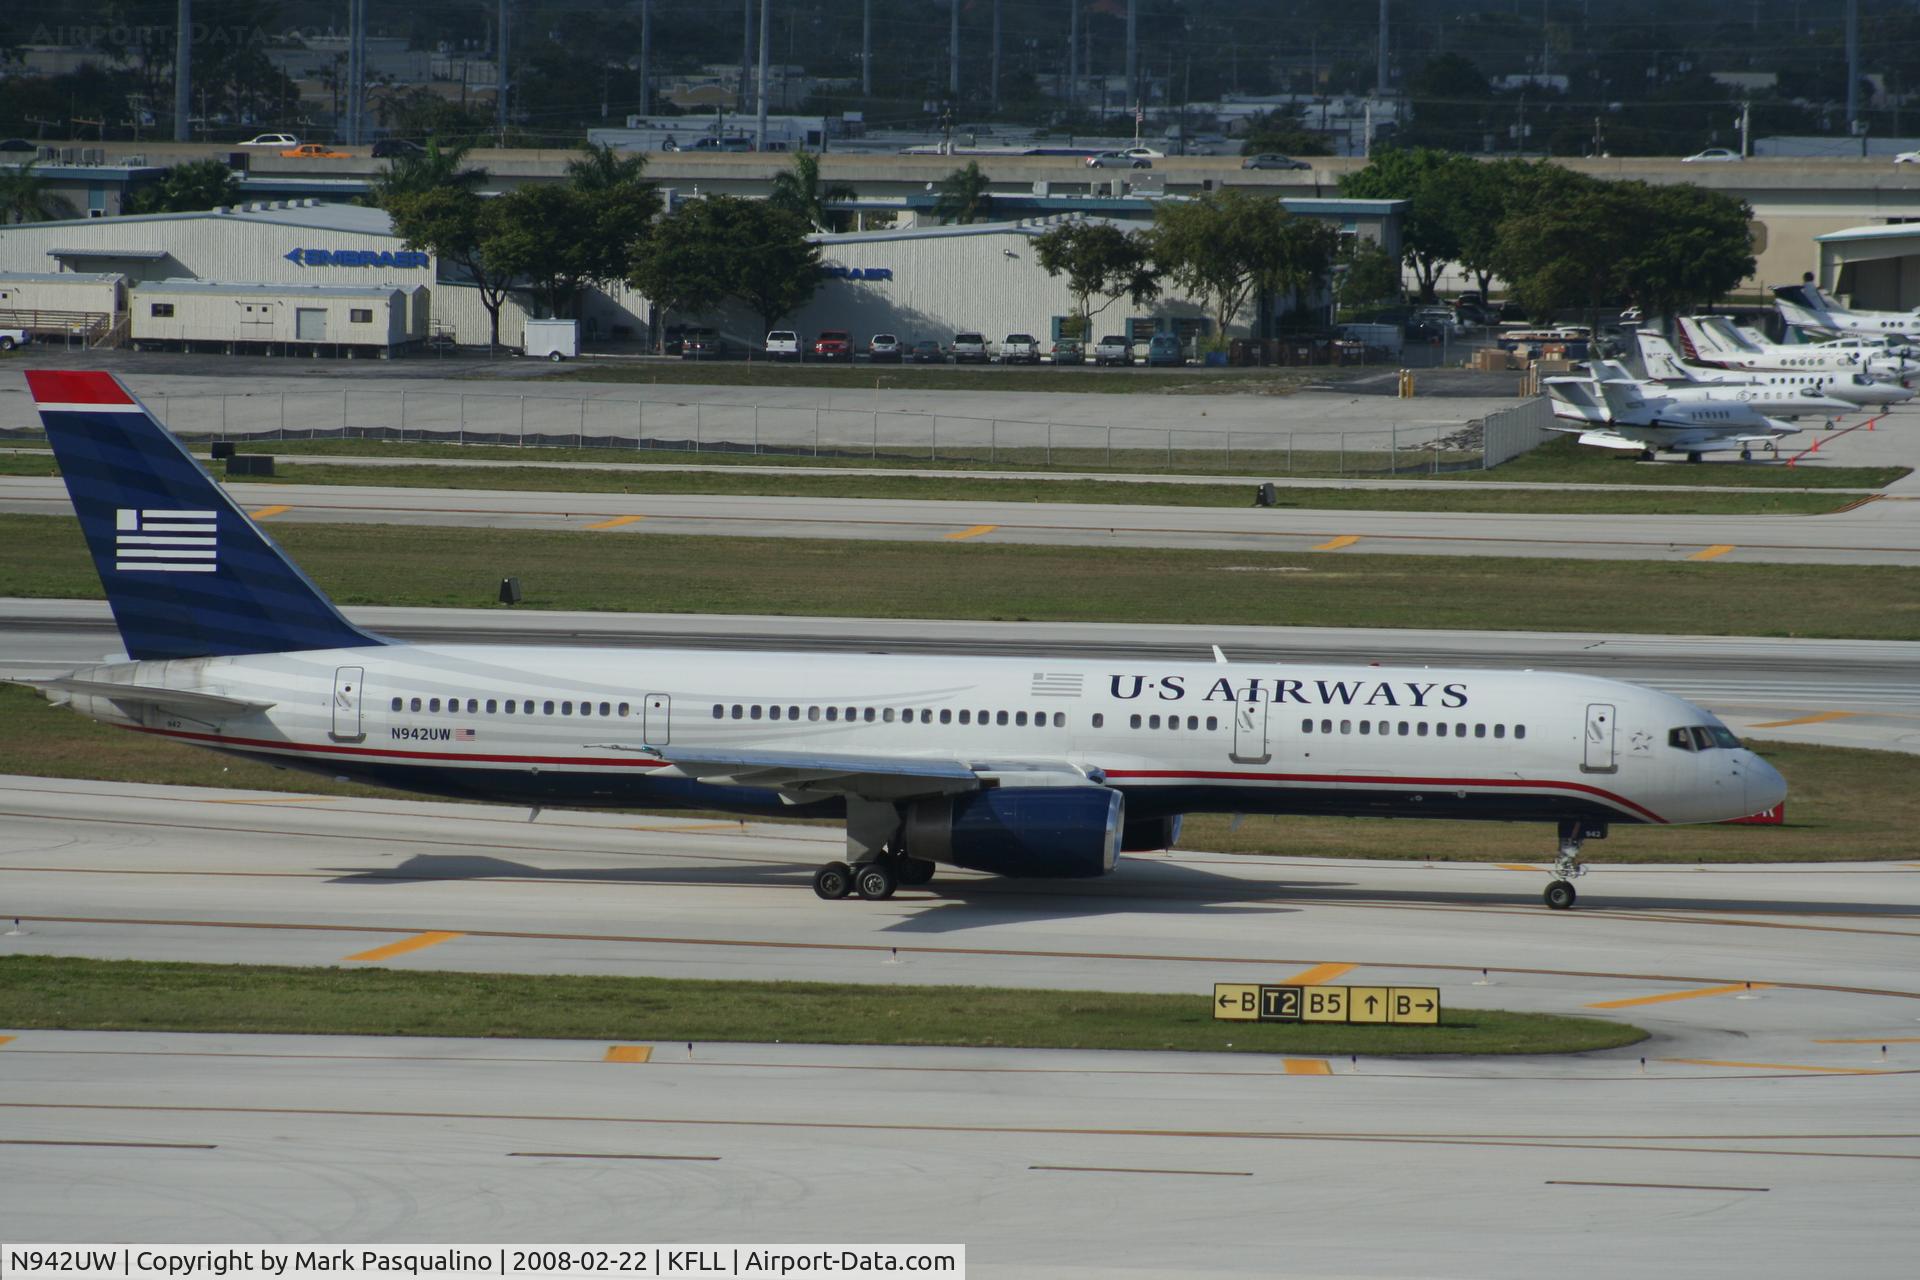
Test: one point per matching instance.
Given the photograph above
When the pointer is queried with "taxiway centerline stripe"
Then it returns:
(1649, 1186)
(1308, 1067)
(268, 513)
(1874, 1040)
(76, 1142)
(603, 1155)
(628, 1053)
(419, 942)
(973, 532)
(277, 800)
(1095, 1168)
(617, 522)
(1334, 544)
(1713, 552)
(1732, 988)
(1821, 718)
(1779, 1066)
(857, 1126)
(1316, 976)
(1516, 866)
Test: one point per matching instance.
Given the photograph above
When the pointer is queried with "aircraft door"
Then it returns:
(655, 728)
(1599, 739)
(346, 704)
(1250, 733)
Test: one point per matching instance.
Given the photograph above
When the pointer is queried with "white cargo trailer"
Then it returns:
(552, 339)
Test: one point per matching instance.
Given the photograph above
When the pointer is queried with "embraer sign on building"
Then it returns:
(358, 258)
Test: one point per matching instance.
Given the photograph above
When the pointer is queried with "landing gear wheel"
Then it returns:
(913, 871)
(1560, 895)
(1693, 457)
(875, 881)
(833, 881)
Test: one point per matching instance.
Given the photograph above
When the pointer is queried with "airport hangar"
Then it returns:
(341, 264)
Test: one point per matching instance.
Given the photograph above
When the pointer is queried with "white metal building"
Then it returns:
(330, 319)
(52, 304)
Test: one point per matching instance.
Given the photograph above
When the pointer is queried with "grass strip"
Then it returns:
(140, 995)
(989, 378)
(1566, 461)
(1088, 492)
(669, 573)
(1843, 804)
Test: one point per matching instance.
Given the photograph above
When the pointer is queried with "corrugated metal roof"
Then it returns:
(140, 255)
(1893, 231)
(237, 289)
(318, 216)
(60, 277)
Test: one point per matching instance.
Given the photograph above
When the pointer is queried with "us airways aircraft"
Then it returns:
(1020, 767)
(1718, 341)
(1855, 389)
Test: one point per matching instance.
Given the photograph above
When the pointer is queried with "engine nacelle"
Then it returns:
(1143, 834)
(1064, 832)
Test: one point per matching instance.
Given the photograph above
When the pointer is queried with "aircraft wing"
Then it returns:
(875, 777)
(193, 703)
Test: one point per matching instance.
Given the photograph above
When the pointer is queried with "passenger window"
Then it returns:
(887, 715)
(1680, 738)
(606, 709)
(1000, 717)
(433, 704)
(753, 712)
(414, 705)
(1519, 731)
(546, 708)
(473, 706)
(946, 715)
(396, 704)
(492, 706)
(1479, 731)
(813, 713)
(1306, 726)
(1059, 719)
(738, 711)
(1020, 719)
(1099, 721)
(773, 713)
(1421, 732)
(1404, 728)
(1499, 731)
(1326, 726)
(1213, 723)
(507, 706)
(626, 710)
(869, 715)
(1134, 721)
(833, 713)
(566, 708)
(1346, 726)
(966, 717)
(1153, 722)
(926, 715)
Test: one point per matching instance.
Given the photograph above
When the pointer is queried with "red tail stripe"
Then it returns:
(342, 749)
(56, 386)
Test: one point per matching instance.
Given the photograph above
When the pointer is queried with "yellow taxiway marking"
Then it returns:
(1308, 1067)
(973, 532)
(1778, 1066)
(628, 1053)
(1821, 718)
(617, 522)
(1713, 552)
(277, 800)
(692, 826)
(418, 942)
(1734, 988)
(1516, 866)
(1319, 975)
(268, 513)
(6, 1039)
(1334, 544)
(1875, 1040)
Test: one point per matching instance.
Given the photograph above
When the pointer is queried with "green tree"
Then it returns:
(686, 267)
(462, 230)
(776, 268)
(1372, 275)
(962, 195)
(1690, 247)
(437, 168)
(199, 184)
(1098, 260)
(1227, 245)
(801, 192)
(1474, 197)
(26, 197)
(1427, 233)
(1278, 132)
(601, 168)
(563, 238)
(1563, 249)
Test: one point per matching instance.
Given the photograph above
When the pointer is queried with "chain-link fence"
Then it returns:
(706, 426)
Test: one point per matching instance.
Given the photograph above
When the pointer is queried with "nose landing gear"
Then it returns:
(1560, 893)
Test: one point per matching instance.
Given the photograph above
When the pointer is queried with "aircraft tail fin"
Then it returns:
(1657, 355)
(186, 572)
(1803, 307)
(1624, 401)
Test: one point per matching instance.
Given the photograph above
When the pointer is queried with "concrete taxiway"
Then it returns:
(1766, 1133)
(1885, 532)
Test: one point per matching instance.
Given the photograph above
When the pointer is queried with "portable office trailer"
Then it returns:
(58, 304)
(204, 315)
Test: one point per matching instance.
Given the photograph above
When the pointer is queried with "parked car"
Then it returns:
(1164, 350)
(719, 144)
(1118, 160)
(1711, 154)
(1267, 160)
(314, 151)
(1019, 348)
(272, 140)
(884, 348)
(396, 148)
(1441, 318)
(969, 348)
(1905, 157)
(927, 351)
(833, 344)
(783, 344)
(1069, 351)
(701, 344)
(1113, 349)
(1143, 153)
(11, 338)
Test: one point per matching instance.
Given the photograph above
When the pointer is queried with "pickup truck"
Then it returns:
(11, 338)
(783, 344)
(833, 344)
(969, 347)
(1113, 349)
(1019, 348)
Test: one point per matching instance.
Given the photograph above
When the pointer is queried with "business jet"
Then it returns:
(1016, 766)
(1811, 308)
(1718, 341)
(1855, 389)
(1615, 410)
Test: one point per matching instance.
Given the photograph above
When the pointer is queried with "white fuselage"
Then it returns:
(601, 727)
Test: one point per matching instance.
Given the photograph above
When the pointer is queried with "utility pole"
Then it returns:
(1746, 129)
(1853, 67)
(746, 54)
(1073, 53)
(501, 34)
(953, 52)
(866, 49)
(356, 70)
(183, 74)
(760, 143)
(1380, 79)
(994, 95)
(646, 58)
(1133, 52)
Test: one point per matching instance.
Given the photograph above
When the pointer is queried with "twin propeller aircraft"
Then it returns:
(1014, 766)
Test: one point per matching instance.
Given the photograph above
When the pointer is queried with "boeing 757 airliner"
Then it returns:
(1016, 766)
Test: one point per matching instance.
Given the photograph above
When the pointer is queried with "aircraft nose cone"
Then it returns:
(1765, 787)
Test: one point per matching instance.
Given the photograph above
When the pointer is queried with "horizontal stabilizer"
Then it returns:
(189, 702)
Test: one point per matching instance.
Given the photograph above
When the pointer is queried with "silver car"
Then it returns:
(1118, 160)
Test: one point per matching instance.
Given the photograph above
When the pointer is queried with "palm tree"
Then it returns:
(799, 190)
(963, 195)
(24, 197)
(602, 168)
(433, 169)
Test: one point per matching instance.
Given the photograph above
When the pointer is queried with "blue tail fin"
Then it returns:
(187, 573)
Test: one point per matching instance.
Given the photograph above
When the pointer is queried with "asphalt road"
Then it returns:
(1766, 1133)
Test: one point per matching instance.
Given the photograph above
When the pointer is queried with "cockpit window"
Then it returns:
(1702, 737)
(1702, 740)
(1681, 738)
(1724, 737)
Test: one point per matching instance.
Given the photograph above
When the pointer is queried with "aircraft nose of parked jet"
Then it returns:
(1765, 787)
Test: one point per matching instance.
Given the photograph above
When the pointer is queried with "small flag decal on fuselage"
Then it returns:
(155, 541)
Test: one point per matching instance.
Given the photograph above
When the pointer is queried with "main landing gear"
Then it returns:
(1560, 893)
(875, 880)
